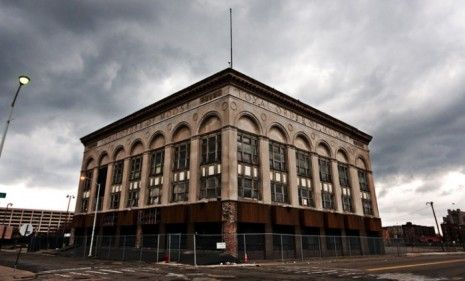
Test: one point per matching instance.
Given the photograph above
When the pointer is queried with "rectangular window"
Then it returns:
(304, 165)
(84, 204)
(180, 191)
(247, 149)
(136, 168)
(279, 192)
(210, 187)
(325, 169)
(343, 175)
(211, 149)
(154, 195)
(362, 179)
(277, 156)
(118, 172)
(88, 180)
(133, 198)
(327, 200)
(181, 156)
(347, 203)
(306, 197)
(156, 165)
(248, 187)
(114, 200)
(367, 210)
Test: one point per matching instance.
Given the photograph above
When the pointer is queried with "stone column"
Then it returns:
(167, 175)
(356, 194)
(264, 161)
(374, 201)
(336, 186)
(108, 184)
(124, 184)
(229, 210)
(316, 184)
(144, 179)
(292, 177)
(344, 243)
(229, 164)
(93, 190)
(269, 241)
(298, 242)
(194, 168)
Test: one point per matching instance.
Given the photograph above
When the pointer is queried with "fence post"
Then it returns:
(141, 246)
(282, 253)
(158, 246)
(179, 247)
(195, 251)
(109, 248)
(349, 240)
(246, 258)
(123, 257)
(301, 247)
(85, 246)
(335, 245)
(169, 247)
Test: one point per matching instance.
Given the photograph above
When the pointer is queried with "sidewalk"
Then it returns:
(8, 274)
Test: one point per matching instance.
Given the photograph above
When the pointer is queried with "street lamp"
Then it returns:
(6, 211)
(67, 209)
(95, 215)
(23, 81)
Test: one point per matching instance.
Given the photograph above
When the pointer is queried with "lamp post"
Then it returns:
(69, 202)
(6, 211)
(23, 80)
(95, 216)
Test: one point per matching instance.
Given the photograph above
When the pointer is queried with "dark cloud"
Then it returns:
(392, 69)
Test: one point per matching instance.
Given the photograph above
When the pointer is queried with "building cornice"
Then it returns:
(223, 78)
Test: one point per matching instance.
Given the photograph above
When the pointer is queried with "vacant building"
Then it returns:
(228, 155)
(43, 221)
(453, 227)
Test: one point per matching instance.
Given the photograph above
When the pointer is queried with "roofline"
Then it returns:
(219, 79)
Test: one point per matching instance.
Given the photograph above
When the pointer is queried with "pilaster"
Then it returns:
(124, 184)
(264, 161)
(167, 175)
(108, 183)
(336, 186)
(194, 170)
(144, 178)
(229, 164)
(316, 182)
(356, 194)
(292, 177)
(374, 201)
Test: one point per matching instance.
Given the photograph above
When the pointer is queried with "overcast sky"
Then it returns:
(394, 69)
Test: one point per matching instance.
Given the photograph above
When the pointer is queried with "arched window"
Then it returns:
(304, 171)
(344, 180)
(364, 186)
(210, 168)
(324, 163)
(181, 164)
(157, 157)
(247, 157)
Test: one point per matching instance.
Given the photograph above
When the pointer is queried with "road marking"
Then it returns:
(63, 269)
(78, 273)
(98, 272)
(414, 265)
(63, 275)
(111, 271)
(127, 270)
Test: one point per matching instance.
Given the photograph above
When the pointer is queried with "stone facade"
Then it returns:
(227, 105)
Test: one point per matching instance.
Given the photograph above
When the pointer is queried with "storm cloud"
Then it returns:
(394, 69)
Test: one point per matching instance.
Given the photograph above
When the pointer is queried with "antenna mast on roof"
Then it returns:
(230, 34)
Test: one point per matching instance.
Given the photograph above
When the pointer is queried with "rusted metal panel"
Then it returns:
(206, 212)
(253, 213)
(353, 222)
(127, 218)
(285, 216)
(373, 224)
(174, 214)
(311, 218)
(334, 220)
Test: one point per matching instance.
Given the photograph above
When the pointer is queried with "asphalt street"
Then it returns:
(409, 268)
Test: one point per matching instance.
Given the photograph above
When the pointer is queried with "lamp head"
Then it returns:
(82, 178)
(24, 80)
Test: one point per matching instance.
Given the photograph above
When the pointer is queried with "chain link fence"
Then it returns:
(210, 248)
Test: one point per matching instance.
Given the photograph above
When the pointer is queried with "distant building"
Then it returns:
(453, 227)
(43, 221)
(228, 155)
(411, 233)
